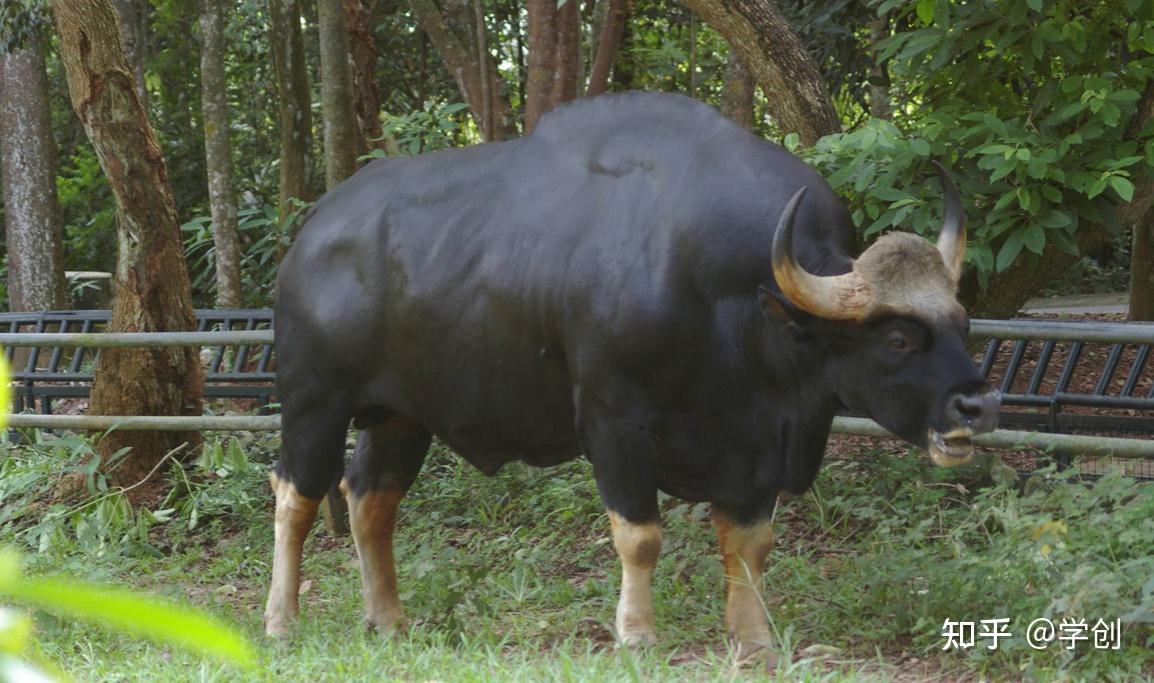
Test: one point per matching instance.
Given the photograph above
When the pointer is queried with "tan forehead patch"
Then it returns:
(908, 277)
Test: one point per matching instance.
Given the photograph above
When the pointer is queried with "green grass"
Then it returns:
(513, 578)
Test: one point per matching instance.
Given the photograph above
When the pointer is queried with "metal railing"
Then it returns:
(1024, 331)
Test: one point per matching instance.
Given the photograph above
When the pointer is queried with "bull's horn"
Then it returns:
(952, 240)
(836, 297)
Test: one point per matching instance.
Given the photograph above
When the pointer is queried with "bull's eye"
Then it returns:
(898, 341)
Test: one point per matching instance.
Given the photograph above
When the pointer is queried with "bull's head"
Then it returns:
(895, 333)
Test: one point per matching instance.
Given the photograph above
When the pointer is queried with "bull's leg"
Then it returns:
(294, 517)
(623, 466)
(638, 546)
(387, 460)
(311, 457)
(744, 548)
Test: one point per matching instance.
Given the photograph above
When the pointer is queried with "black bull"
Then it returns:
(639, 281)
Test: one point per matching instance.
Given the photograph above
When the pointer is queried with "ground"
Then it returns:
(514, 578)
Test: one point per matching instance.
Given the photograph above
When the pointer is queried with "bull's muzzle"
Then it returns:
(968, 415)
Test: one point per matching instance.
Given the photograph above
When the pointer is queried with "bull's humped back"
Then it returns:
(634, 193)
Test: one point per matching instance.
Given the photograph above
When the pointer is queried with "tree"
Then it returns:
(367, 96)
(339, 118)
(607, 42)
(131, 14)
(1142, 222)
(152, 291)
(1142, 270)
(773, 53)
(542, 67)
(737, 98)
(33, 225)
(294, 104)
(451, 26)
(218, 154)
(568, 60)
(1049, 136)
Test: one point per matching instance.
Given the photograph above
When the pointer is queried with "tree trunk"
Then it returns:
(1142, 270)
(692, 55)
(737, 93)
(625, 65)
(152, 289)
(799, 100)
(1009, 290)
(608, 40)
(366, 94)
(295, 106)
(1141, 220)
(879, 78)
(218, 154)
(461, 59)
(568, 59)
(542, 39)
(33, 223)
(483, 63)
(340, 130)
(131, 14)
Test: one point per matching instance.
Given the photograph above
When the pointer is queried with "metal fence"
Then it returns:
(1022, 332)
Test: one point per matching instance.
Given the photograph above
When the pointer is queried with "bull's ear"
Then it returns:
(771, 305)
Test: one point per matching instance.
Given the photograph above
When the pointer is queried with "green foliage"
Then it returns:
(263, 237)
(515, 574)
(55, 497)
(1061, 549)
(435, 126)
(22, 21)
(660, 51)
(89, 212)
(117, 609)
(1031, 109)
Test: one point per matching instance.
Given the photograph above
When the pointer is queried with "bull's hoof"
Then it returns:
(638, 640)
(279, 627)
(387, 626)
(755, 654)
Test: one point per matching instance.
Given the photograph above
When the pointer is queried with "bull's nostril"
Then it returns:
(978, 412)
(969, 407)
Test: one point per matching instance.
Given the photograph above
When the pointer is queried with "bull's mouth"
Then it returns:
(951, 449)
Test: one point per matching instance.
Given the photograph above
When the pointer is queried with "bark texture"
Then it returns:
(131, 15)
(294, 105)
(799, 100)
(218, 154)
(737, 93)
(879, 78)
(607, 42)
(1142, 270)
(450, 28)
(152, 287)
(568, 60)
(367, 96)
(1142, 222)
(340, 128)
(542, 66)
(33, 223)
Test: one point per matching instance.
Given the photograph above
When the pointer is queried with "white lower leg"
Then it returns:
(294, 518)
(639, 546)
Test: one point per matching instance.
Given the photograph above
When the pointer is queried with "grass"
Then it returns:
(513, 578)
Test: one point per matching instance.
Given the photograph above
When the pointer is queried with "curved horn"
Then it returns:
(836, 297)
(952, 240)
